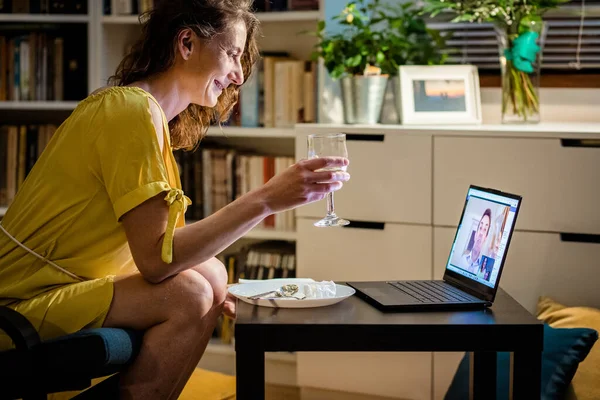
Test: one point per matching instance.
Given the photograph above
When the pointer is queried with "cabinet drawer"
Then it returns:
(540, 264)
(390, 179)
(351, 254)
(560, 184)
(390, 375)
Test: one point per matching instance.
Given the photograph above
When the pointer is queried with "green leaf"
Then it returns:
(354, 61)
(320, 25)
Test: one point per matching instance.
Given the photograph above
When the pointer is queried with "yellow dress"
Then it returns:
(103, 161)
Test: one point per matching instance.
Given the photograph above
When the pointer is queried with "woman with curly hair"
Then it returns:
(96, 234)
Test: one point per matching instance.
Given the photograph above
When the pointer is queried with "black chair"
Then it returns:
(34, 368)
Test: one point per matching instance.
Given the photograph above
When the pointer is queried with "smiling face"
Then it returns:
(210, 66)
(482, 232)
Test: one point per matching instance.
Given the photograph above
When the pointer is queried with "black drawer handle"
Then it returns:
(589, 143)
(579, 237)
(366, 225)
(364, 138)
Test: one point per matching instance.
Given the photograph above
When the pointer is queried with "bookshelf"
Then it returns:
(38, 105)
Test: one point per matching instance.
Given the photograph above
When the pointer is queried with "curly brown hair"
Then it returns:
(154, 52)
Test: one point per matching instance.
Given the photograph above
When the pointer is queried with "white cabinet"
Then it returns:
(353, 254)
(413, 181)
(539, 264)
(393, 375)
(390, 178)
(348, 254)
(558, 180)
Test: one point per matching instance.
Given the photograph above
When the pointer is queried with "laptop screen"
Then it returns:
(483, 235)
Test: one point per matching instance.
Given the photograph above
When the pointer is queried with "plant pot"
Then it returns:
(395, 83)
(520, 76)
(362, 98)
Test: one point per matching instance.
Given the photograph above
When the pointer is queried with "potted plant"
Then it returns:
(409, 42)
(520, 31)
(355, 57)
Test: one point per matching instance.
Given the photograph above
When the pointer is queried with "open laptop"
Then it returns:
(473, 268)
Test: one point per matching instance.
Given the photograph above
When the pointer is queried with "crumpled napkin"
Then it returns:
(319, 290)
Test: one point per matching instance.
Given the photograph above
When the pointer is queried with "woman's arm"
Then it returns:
(196, 243)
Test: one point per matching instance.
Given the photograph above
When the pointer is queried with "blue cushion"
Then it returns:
(564, 349)
(119, 345)
(93, 352)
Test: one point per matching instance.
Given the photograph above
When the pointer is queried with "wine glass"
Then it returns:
(329, 145)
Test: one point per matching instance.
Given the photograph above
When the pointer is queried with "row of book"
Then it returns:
(20, 147)
(31, 67)
(43, 62)
(214, 177)
(279, 93)
(43, 6)
(263, 260)
(128, 7)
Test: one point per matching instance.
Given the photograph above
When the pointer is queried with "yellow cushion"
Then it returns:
(585, 383)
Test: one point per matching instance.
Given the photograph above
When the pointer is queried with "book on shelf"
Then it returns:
(279, 93)
(35, 63)
(20, 148)
(43, 6)
(213, 177)
(263, 260)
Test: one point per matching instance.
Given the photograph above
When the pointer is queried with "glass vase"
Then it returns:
(520, 62)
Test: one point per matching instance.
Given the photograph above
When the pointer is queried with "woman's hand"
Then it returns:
(301, 184)
(229, 305)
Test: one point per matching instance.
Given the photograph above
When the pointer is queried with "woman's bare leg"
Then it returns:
(214, 272)
(176, 315)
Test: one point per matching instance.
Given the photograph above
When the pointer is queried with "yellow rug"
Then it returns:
(209, 385)
(203, 385)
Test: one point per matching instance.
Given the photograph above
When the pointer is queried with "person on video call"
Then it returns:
(472, 260)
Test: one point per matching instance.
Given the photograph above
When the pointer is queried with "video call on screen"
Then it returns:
(480, 244)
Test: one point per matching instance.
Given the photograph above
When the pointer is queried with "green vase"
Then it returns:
(520, 62)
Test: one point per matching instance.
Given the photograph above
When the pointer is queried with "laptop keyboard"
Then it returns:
(433, 292)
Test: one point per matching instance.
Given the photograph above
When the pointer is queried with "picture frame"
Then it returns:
(439, 94)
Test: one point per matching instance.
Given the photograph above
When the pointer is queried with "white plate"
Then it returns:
(244, 290)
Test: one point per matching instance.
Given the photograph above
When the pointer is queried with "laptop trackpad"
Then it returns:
(387, 294)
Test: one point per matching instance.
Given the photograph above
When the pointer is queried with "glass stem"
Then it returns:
(330, 206)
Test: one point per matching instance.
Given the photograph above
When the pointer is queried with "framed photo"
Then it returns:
(440, 94)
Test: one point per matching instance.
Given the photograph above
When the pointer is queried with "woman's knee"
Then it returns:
(215, 273)
(194, 295)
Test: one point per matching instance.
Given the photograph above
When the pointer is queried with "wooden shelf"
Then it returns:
(38, 105)
(235, 131)
(270, 234)
(265, 234)
(49, 18)
(282, 16)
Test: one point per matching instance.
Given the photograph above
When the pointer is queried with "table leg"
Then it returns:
(527, 375)
(250, 372)
(483, 375)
